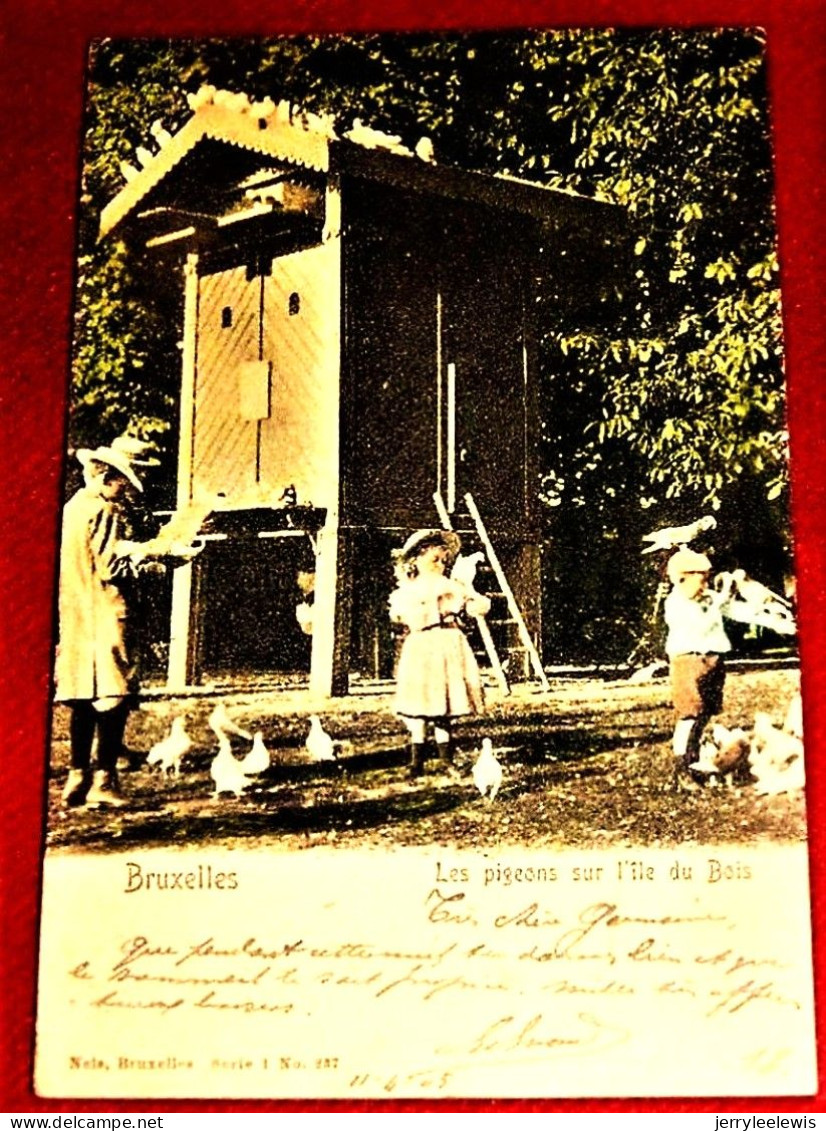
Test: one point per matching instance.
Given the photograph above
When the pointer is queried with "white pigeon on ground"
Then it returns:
(258, 759)
(775, 758)
(723, 751)
(669, 537)
(320, 746)
(773, 746)
(788, 780)
(706, 763)
(649, 672)
(222, 724)
(732, 745)
(487, 771)
(465, 566)
(226, 771)
(168, 752)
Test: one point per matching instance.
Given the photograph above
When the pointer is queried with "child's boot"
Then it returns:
(81, 738)
(104, 791)
(686, 774)
(446, 752)
(417, 754)
(76, 787)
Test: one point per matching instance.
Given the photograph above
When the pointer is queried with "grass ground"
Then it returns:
(587, 765)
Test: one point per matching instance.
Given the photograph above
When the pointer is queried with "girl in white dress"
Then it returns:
(438, 677)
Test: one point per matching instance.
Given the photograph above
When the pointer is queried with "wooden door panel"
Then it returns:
(224, 444)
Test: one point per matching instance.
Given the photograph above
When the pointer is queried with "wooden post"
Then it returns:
(180, 664)
(451, 436)
(330, 659)
(439, 393)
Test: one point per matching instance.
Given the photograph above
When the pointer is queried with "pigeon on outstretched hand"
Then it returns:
(751, 602)
(465, 566)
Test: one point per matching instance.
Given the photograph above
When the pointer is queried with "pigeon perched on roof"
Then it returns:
(203, 96)
(424, 149)
(263, 109)
(669, 537)
(235, 101)
(127, 171)
(487, 771)
(160, 134)
(370, 138)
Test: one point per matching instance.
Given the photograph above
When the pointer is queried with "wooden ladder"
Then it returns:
(514, 617)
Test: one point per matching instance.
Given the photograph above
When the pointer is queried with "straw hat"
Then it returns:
(687, 561)
(141, 453)
(424, 539)
(119, 460)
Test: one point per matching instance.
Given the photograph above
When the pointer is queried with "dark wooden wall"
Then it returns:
(430, 282)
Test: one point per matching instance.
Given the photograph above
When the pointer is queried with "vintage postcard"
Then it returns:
(427, 716)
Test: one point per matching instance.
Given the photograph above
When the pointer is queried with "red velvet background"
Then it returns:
(41, 79)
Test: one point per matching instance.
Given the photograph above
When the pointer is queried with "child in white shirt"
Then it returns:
(696, 646)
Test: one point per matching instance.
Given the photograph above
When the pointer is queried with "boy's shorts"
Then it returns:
(697, 684)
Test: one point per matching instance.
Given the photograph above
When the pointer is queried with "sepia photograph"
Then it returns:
(426, 714)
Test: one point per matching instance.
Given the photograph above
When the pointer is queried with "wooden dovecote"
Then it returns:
(359, 334)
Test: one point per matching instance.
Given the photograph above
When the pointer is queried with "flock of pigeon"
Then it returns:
(268, 112)
(231, 774)
(772, 756)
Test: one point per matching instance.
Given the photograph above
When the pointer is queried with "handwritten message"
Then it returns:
(328, 973)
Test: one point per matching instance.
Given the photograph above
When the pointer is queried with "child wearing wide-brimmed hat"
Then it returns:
(696, 646)
(438, 677)
(95, 670)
